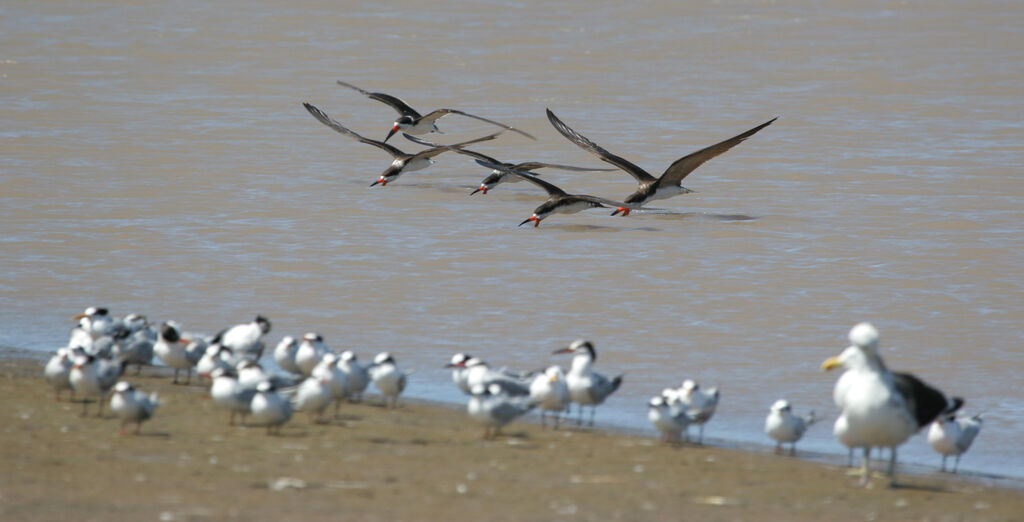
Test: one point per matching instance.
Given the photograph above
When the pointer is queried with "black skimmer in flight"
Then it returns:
(403, 162)
(499, 176)
(413, 122)
(652, 188)
(559, 202)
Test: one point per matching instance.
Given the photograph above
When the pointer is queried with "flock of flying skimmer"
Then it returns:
(878, 408)
(411, 123)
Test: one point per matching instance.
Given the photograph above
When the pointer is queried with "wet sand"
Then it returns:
(420, 462)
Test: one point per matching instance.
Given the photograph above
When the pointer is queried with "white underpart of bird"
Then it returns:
(699, 404)
(358, 377)
(460, 374)
(880, 408)
(668, 420)
(269, 408)
(93, 378)
(313, 396)
(229, 394)
(387, 378)
(587, 387)
(953, 435)
(284, 355)
(58, 371)
(246, 340)
(132, 405)
(337, 380)
(550, 393)
(251, 374)
(785, 427)
(310, 351)
(494, 409)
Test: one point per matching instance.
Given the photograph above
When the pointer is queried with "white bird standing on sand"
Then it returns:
(58, 371)
(953, 435)
(881, 408)
(667, 418)
(587, 387)
(358, 377)
(494, 409)
(460, 374)
(699, 405)
(550, 393)
(284, 355)
(132, 405)
(229, 394)
(337, 380)
(313, 396)
(269, 408)
(92, 377)
(388, 379)
(177, 352)
(310, 352)
(246, 340)
(783, 426)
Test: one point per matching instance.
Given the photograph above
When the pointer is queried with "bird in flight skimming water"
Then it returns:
(652, 188)
(403, 162)
(559, 202)
(412, 122)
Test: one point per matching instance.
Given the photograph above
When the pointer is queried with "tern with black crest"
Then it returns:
(652, 188)
(412, 122)
(402, 162)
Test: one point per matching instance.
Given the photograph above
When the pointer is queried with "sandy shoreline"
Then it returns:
(421, 462)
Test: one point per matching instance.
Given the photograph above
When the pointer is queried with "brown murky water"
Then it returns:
(156, 158)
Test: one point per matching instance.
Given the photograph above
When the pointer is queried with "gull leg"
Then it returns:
(866, 467)
(956, 463)
(892, 467)
(943, 464)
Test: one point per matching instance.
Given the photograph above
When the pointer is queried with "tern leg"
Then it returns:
(866, 467)
(792, 450)
(175, 381)
(943, 464)
(892, 467)
(593, 410)
(122, 427)
(85, 407)
(956, 463)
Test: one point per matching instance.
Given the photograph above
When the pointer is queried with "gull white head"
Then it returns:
(780, 406)
(383, 358)
(864, 335)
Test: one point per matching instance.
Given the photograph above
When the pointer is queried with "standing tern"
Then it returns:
(699, 404)
(881, 408)
(246, 340)
(97, 322)
(58, 371)
(460, 374)
(134, 344)
(499, 176)
(783, 426)
(652, 188)
(132, 405)
(412, 122)
(953, 435)
(229, 394)
(559, 202)
(550, 393)
(668, 419)
(479, 373)
(402, 162)
(358, 377)
(313, 396)
(92, 377)
(310, 352)
(337, 380)
(388, 379)
(269, 408)
(494, 409)
(176, 351)
(587, 387)
(284, 355)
